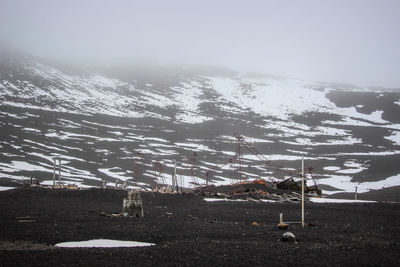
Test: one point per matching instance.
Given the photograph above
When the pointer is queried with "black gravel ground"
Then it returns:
(190, 231)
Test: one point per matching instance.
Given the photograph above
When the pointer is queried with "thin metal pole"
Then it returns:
(355, 195)
(54, 172)
(59, 171)
(302, 191)
(174, 180)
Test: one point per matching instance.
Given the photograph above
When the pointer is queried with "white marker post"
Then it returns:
(174, 180)
(302, 191)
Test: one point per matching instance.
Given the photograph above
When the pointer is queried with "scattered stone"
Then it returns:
(255, 224)
(288, 237)
(283, 226)
(103, 213)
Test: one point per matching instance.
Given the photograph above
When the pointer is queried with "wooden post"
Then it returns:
(355, 193)
(302, 191)
(281, 224)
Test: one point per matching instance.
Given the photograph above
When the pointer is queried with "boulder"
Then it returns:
(289, 237)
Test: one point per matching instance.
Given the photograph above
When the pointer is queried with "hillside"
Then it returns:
(130, 124)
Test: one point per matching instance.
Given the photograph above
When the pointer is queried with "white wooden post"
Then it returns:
(174, 181)
(355, 195)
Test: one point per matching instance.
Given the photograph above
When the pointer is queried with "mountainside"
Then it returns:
(130, 125)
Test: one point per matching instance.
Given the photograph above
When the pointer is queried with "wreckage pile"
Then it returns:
(253, 191)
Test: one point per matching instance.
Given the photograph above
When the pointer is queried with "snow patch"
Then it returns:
(344, 184)
(394, 137)
(114, 173)
(331, 168)
(103, 243)
(222, 199)
(5, 188)
(332, 200)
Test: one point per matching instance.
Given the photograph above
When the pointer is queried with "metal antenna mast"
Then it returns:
(239, 160)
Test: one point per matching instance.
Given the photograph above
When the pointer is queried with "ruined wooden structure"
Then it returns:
(133, 205)
(292, 185)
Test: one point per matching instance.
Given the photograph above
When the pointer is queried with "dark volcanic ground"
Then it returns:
(190, 231)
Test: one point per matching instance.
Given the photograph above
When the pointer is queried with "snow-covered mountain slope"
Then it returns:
(110, 126)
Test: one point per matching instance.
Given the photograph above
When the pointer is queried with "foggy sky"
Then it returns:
(353, 41)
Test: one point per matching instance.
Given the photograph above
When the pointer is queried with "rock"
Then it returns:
(288, 237)
(283, 226)
(103, 213)
(222, 195)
